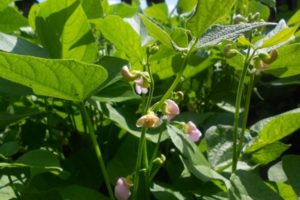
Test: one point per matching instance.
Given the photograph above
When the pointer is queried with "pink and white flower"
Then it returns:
(170, 109)
(122, 189)
(194, 134)
(141, 86)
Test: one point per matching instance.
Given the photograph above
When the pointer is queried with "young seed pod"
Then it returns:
(269, 58)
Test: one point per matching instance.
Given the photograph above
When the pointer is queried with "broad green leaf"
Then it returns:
(92, 8)
(9, 148)
(280, 37)
(14, 89)
(186, 147)
(276, 173)
(76, 192)
(125, 118)
(291, 166)
(285, 191)
(122, 35)
(116, 92)
(295, 19)
(158, 12)
(7, 118)
(219, 146)
(270, 3)
(11, 20)
(39, 158)
(274, 128)
(207, 13)
(162, 192)
(247, 185)
(13, 44)
(184, 6)
(4, 4)
(159, 34)
(180, 37)
(287, 63)
(275, 38)
(63, 29)
(219, 33)
(6, 191)
(65, 79)
(269, 153)
(256, 6)
(123, 10)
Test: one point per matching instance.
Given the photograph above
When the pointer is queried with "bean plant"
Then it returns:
(112, 101)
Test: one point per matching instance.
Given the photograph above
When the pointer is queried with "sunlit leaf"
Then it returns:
(65, 79)
(158, 12)
(291, 165)
(206, 14)
(11, 20)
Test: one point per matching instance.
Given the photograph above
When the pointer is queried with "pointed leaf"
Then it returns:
(63, 29)
(11, 20)
(280, 37)
(65, 79)
(206, 14)
(295, 19)
(219, 33)
(184, 6)
(291, 166)
(13, 44)
(274, 128)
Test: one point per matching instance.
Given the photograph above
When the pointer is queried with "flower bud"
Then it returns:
(170, 109)
(122, 191)
(127, 75)
(229, 52)
(148, 121)
(152, 49)
(269, 58)
(193, 132)
(179, 96)
(239, 18)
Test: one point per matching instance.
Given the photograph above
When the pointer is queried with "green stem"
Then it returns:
(11, 182)
(92, 134)
(245, 114)
(153, 156)
(237, 109)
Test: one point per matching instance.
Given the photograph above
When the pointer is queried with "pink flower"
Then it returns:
(148, 121)
(193, 132)
(141, 86)
(170, 109)
(122, 191)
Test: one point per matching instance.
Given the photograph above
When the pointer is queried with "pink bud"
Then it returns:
(148, 121)
(122, 191)
(193, 132)
(126, 74)
(171, 109)
(140, 86)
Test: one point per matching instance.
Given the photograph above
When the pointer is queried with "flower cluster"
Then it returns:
(141, 79)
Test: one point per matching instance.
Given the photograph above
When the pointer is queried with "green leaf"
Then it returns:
(92, 8)
(274, 128)
(269, 152)
(126, 40)
(247, 185)
(4, 4)
(276, 173)
(39, 158)
(11, 20)
(207, 13)
(14, 89)
(219, 146)
(219, 33)
(6, 192)
(117, 92)
(65, 79)
(270, 3)
(7, 118)
(164, 193)
(285, 191)
(256, 6)
(186, 147)
(280, 37)
(287, 63)
(184, 6)
(13, 44)
(76, 192)
(123, 10)
(9, 148)
(158, 12)
(63, 29)
(291, 166)
(159, 34)
(295, 19)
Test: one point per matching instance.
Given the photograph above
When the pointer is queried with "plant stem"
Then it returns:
(11, 182)
(92, 134)
(245, 114)
(237, 109)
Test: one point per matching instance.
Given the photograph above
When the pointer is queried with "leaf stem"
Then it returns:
(237, 108)
(246, 113)
(92, 134)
